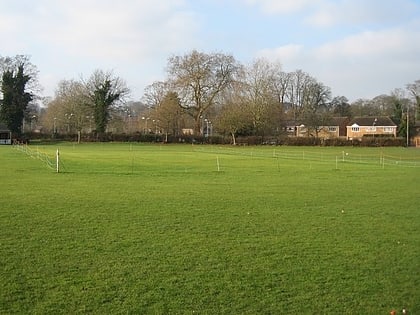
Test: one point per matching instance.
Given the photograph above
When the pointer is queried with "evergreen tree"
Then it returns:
(105, 91)
(15, 98)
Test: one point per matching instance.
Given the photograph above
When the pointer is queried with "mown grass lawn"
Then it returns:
(162, 229)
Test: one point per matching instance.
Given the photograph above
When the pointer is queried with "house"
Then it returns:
(371, 126)
(187, 131)
(5, 134)
(415, 138)
(336, 128)
(289, 128)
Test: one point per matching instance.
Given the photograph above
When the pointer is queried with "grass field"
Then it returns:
(181, 229)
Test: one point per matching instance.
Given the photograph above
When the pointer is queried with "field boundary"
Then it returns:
(220, 160)
(46, 159)
(320, 157)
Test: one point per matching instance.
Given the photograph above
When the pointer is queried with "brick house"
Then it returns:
(360, 127)
(415, 138)
(336, 128)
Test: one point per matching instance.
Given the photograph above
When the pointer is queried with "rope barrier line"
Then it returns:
(308, 156)
(320, 157)
(37, 154)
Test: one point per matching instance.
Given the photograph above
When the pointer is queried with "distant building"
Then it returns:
(415, 137)
(371, 126)
(187, 132)
(5, 134)
(344, 127)
(289, 127)
(336, 128)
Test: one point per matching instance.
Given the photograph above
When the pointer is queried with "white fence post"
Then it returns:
(57, 157)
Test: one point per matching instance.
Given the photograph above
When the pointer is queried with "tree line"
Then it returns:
(204, 94)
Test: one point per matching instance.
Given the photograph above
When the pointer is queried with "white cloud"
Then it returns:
(360, 12)
(374, 61)
(287, 54)
(282, 6)
(386, 46)
(9, 27)
(327, 13)
(358, 66)
(101, 28)
(325, 17)
(340, 42)
(120, 29)
(71, 38)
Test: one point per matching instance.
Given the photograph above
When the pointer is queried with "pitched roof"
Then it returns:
(372, 121)
(339, 121)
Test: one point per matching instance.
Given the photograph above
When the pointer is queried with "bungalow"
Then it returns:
(371, 126)
(5, 134)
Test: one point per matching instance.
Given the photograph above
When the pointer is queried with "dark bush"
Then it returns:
(336, 142)
(300, 141)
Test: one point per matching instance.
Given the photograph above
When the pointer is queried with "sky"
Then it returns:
(359, 48)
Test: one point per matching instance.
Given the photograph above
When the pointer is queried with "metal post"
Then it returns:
(408, 130)
(57, 161)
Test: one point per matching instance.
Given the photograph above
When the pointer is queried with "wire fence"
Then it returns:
(320, 156)
(220, 157)
(47, 160)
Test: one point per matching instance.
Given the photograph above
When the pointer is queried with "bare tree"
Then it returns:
(341, 106)
(169, 114)
(281, 83)
(234, 116)
(199, 79)
(414, 89)
(69, 111)
(316, 109)
(297, 90)
(260, 94)
(155, 93)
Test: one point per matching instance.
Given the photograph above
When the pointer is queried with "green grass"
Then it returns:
(162, 229)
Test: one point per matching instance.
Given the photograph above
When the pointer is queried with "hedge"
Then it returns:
(250, 140)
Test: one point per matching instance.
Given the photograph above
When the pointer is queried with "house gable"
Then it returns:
(371, 126)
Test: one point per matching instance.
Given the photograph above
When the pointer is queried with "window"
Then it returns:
(332, 129)
(388, 129)
(355, 129)
(371, 129)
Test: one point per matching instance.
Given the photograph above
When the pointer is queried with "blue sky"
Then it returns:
(359, 48)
